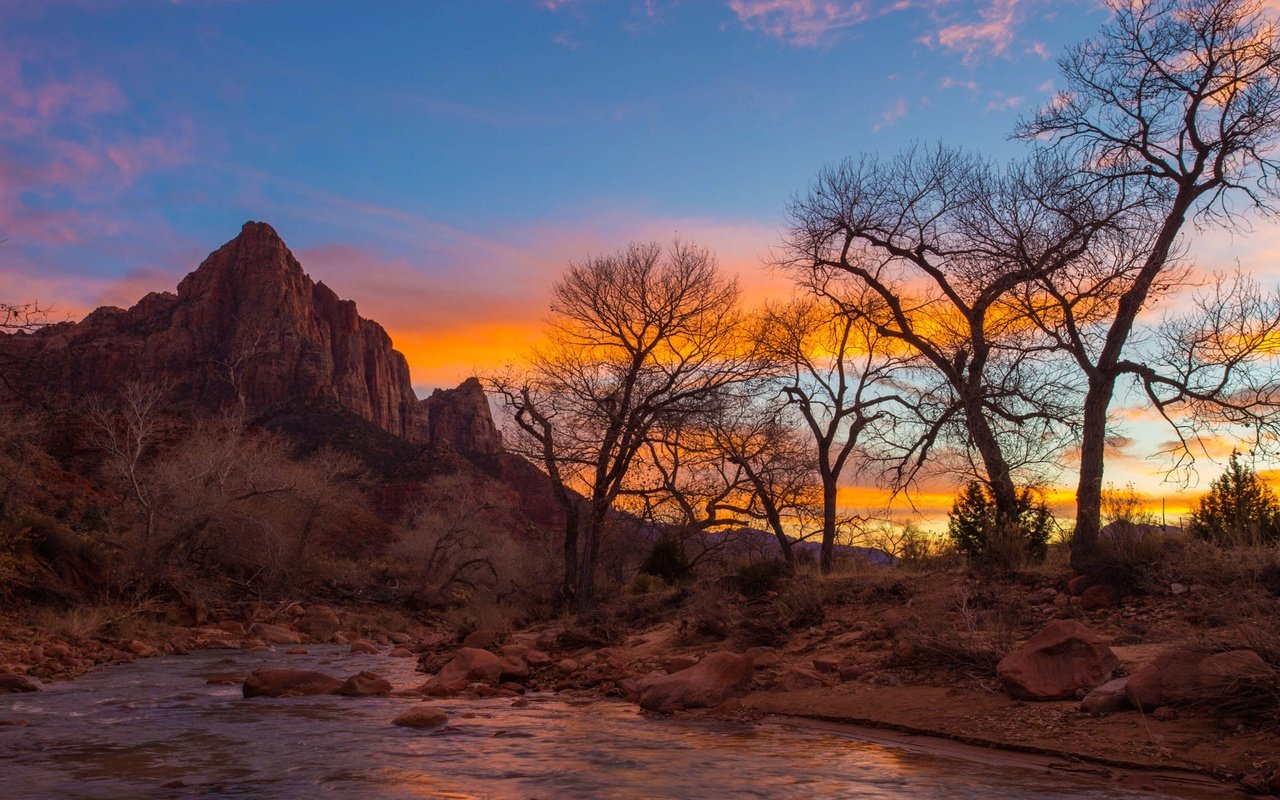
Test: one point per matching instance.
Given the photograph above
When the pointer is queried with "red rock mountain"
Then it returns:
(250, 328)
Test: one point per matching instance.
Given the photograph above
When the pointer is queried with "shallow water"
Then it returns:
(126, 731)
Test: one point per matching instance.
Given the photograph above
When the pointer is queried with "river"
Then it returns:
(154, 729)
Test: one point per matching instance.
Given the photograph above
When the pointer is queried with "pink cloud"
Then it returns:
(892, 115)
(807, 23)
(57, 141)
(990, 35)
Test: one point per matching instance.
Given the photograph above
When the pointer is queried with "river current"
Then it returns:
(154, 729)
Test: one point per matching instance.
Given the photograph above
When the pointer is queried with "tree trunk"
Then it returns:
(590, 555)
(571, 521)
(828, 522)
(999, 476)
(1085, 541)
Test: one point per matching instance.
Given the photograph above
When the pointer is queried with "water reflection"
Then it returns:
(153, 729)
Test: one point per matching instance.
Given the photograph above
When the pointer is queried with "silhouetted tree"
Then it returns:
(1239, 509)
(636, 338)
(839, 373)
(942, 243)
(1177, 101)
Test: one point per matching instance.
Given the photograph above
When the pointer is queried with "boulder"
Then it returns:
(421, 717)
(319, 622)
(1099, 596)
(401, 652)
(364, 647)
(11, 682)
(274, 634)
(1186, 677)
(231, 626)
(365, 684)
(1108, 698)
(1057, 663)
(481, 639)
(1169, 678)
(289, 683)
(141, 649)
(710, 682)
(472, 665)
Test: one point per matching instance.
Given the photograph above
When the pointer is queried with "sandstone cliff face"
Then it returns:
(462, 418)
(250, 327)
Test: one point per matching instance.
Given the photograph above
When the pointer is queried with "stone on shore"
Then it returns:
(1057, 663)
(1184, 677)
(11, 682)
(710, 682)
(1108, 698)
(274, 634)
(421, 717)
(365, 684)
(289, 683)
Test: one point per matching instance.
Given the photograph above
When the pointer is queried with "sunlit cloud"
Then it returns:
(807, 23)
(950, 82)
(991, 34)
(895, 113)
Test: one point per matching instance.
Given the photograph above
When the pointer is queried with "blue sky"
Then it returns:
(440, 162)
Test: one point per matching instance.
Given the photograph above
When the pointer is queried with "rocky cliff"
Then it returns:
(250, 328)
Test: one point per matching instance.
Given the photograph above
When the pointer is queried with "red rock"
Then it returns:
(275, 634)
(1058, 662)
(363, 646)
(231, 626)
(1108, 698)
(1179, 677)
(1099, 596)
(421, 717)
(318, 622)
(10, 682)
(481, 639)
(828, 664)
(1169, 678)
(473, 665)
(401, 652)
(226, 678)
(289, 683)
(141, 649)
(710, 682)
(296, 651)
(677, 663)
(365, 684)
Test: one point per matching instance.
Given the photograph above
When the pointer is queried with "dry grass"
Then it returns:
(957, 632)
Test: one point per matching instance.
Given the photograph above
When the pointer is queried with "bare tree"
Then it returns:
(1179, 101)
(636, 338)
(128, 433)
(22, 317)
(938, 243)
(840, 377)
(743, 464)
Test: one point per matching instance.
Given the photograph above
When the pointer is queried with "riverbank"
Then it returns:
(911, 654)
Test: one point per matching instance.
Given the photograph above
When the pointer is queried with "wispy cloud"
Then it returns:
(59, 143)
(959, 83)
(892, 115)
(807, 23)
(990, 34)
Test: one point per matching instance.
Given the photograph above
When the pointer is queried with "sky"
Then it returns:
(441, 162)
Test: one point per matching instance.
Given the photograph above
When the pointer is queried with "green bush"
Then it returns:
(667, 560)
(975, 530)
(759, 578)
(1239, 510)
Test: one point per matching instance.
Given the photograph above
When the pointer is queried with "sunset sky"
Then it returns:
(440, 162)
